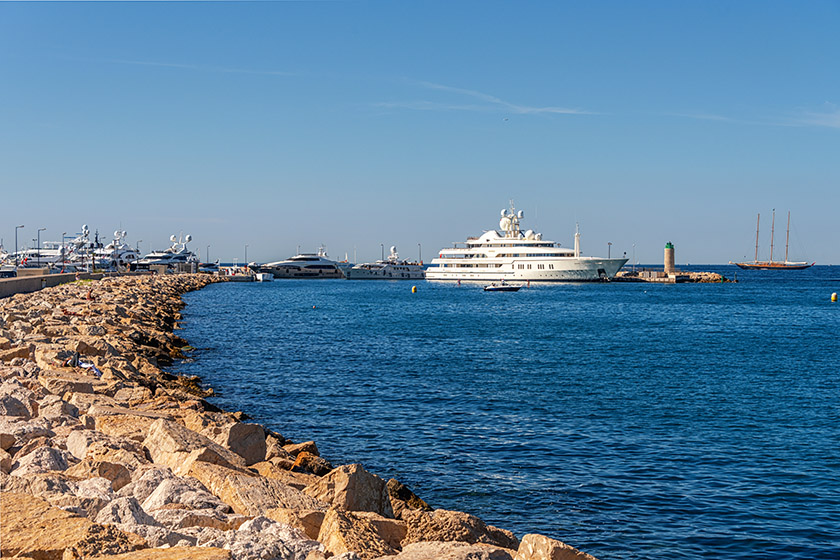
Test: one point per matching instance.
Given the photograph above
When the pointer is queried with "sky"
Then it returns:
(354, 124)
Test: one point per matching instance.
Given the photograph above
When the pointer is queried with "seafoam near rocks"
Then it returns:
(105, 454)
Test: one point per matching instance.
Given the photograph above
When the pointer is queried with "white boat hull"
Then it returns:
(561, 269)
(413, 273)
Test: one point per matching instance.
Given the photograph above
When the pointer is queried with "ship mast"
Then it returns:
(787, 237)
(757, 222)
(772, 231)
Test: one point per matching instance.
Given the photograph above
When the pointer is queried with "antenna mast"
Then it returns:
(757, 222)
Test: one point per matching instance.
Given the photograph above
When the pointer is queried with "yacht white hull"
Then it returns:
(561, 269)
(386, 273)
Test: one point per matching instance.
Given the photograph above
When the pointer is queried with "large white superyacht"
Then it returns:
(516, 255)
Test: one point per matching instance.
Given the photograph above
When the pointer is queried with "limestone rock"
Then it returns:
(59, 383)
(274, 448)
(97, 487)
(176, 518)
(352, 488)
(33, 528)
(186, 492)
(178, 448)
(248, 494)
(312, 463)
(11, 406)
(103, 540)
(308, 521)
(117, 473)
(181, 553)
(144, 481)
(90, 444)
(342, 531)
(6, 441)
(299, 480)
(124, 511)
(294, 448)
(133, 427)
(264, 539)
(403, 498)
(53, 405)
(42, 459)
(539, 547)
(448, 526)
(5, 462)
(450, 551)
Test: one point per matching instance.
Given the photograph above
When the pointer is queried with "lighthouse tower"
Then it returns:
(669, 258)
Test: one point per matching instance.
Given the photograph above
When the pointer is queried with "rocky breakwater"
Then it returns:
(104, 454)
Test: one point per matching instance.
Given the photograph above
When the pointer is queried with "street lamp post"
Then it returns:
(63, 251)
(17, 257)
(207, 255)
(382, 245)
(39, 244)
(634, 257)
(246, 254)
(609, 248)
(419, 253)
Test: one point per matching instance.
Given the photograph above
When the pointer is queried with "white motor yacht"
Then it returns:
(392, 268)
(176, 254)
(518, 255)
(305, 265)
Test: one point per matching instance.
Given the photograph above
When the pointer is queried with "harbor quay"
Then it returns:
(104, 452)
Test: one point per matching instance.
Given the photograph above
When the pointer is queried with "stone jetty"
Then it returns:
(103, 454)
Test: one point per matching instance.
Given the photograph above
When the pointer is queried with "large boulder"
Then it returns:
(33, 528)
(116, 473)
(264, 539)
(180, 553)
(94, 445)
(344, 531)
(179, 448)
(352, 488)
(127, 426)
(308, 521)
(248, 494)
(450, 551)
(539, 547)
(403, 498)
(447, 526)
(42, 459)
(187, 493)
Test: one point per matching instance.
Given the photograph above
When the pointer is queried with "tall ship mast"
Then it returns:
(771, 264)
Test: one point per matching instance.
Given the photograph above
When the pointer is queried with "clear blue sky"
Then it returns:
(351, 124)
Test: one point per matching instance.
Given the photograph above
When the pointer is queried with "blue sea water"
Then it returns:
(632, 421)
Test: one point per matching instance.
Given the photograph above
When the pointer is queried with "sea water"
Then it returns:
(637, 421)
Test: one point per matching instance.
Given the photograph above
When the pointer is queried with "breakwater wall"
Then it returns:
(28, 284)
(103, 453)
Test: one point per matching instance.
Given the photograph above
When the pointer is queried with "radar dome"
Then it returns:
(85, 227)
(173, 239)
(520, 214)
(504, 223)
(503, 212)
(393, 248)
(188, 238)
(529, 234)
(117, 233)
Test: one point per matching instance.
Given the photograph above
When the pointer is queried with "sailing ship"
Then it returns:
(771, 264)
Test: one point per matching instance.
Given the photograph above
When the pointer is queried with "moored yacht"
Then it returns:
(518, 255)
(392, 268)
(176, 254)
(305, 265)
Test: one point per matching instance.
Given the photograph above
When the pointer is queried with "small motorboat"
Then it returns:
(501, 288)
